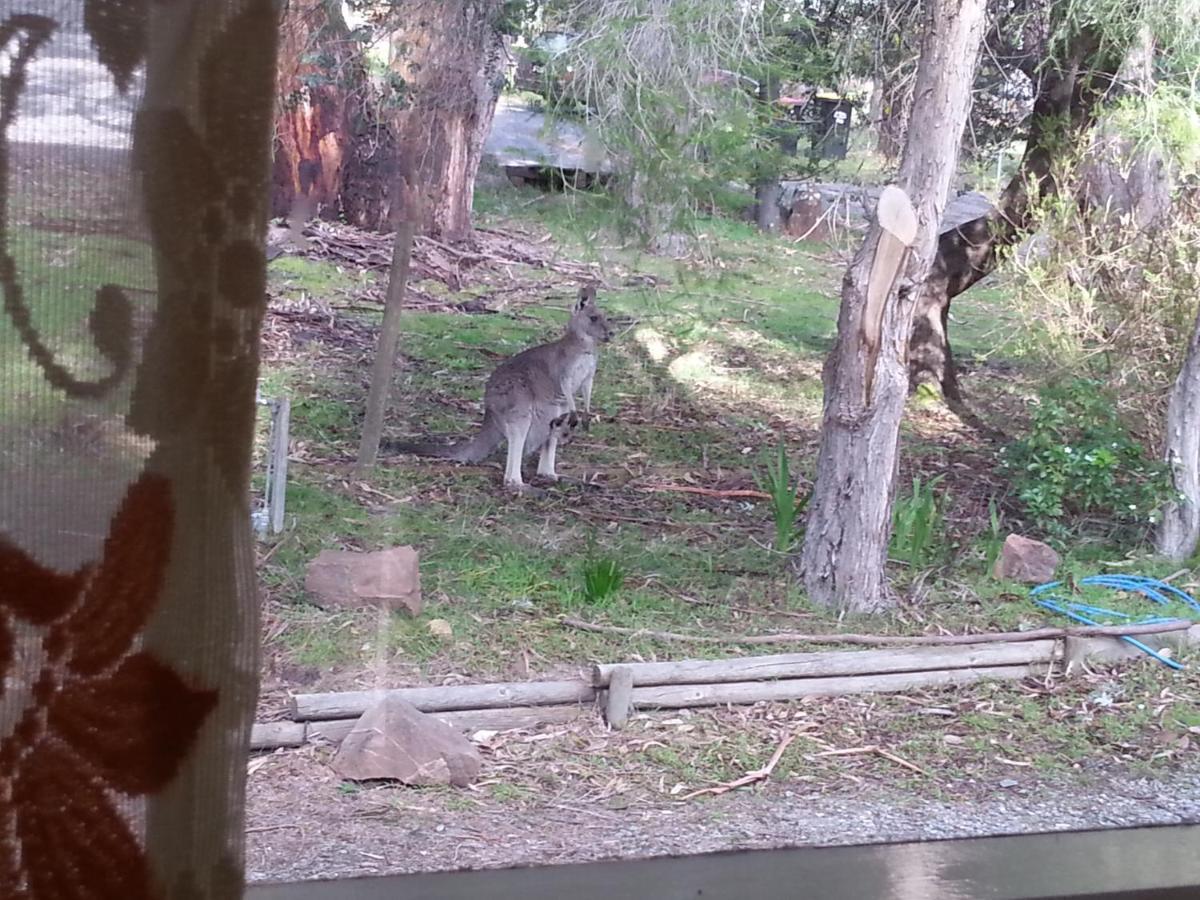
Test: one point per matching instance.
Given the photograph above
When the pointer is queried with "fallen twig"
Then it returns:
(876, 640)
(749, 778)
(876, 750)
(703, 491)
(717, 604)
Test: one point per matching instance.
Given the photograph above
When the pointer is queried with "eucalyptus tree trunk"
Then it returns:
(450, 54)
(844, 555)
(312, 129)
(1179, 533)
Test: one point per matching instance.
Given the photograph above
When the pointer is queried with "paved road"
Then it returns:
(70, 97)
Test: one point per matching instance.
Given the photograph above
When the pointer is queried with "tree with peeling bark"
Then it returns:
(450, 55)
(844, 554)
(312, 128)
(410, 89)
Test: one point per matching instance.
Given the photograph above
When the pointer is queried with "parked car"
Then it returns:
(536, 69)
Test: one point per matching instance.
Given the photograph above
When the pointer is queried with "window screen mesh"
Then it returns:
(133, 165)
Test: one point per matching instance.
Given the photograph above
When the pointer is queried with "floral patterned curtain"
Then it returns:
(134, 152)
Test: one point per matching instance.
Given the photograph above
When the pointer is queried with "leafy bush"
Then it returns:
(917, 525)
(1079, 462)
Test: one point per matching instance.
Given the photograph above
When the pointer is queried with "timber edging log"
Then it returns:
(716, 682)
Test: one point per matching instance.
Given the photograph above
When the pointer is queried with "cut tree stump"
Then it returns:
(305, 707)
(830, 663)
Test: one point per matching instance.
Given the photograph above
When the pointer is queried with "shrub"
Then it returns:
(917, 525)
(786, 502)
(602, 578)
(1079, 466)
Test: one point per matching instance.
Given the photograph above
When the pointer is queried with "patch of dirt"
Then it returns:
(303, 825)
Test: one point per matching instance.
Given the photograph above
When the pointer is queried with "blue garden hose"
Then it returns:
(1151, 588)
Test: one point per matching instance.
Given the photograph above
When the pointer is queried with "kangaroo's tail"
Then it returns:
(472, 450)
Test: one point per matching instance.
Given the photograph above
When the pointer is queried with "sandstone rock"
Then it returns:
(440, 629)
(347, 579)
(1026, 560)
(393, 739)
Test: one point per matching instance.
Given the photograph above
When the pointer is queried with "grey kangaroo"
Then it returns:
(529, 401)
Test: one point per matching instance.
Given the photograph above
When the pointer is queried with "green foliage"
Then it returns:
(1112, 293)
(1079, 460)
(917, 525)
(1165, 122)
(786, 502)
(993, 539)
(602, 578)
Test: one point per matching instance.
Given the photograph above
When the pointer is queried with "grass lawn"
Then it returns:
(718, 365)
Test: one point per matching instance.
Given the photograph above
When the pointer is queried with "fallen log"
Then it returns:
(742, 692)
(881, 640)
(274, 735)
(830, 663)
(348, 705)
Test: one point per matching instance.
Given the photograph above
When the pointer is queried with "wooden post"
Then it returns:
(620, 697)
(277, 490)
(389, 332)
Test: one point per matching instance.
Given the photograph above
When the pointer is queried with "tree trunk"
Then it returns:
(1179, 532)
(1066, 104)
(451, 56)
(312, 132)
(766, 192)
(845, 547)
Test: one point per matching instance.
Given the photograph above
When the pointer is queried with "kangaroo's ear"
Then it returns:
(587, 296)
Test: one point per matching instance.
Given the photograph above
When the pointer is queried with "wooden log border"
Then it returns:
(711, 682)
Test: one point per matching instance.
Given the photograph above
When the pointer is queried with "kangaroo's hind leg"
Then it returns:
(516, 432)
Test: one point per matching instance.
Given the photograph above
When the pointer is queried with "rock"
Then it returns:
(1026, 560)
(393, 739)
(347, 579)
(440, 629)
(807, 218)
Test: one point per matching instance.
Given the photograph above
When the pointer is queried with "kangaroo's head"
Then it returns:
(587, 321)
